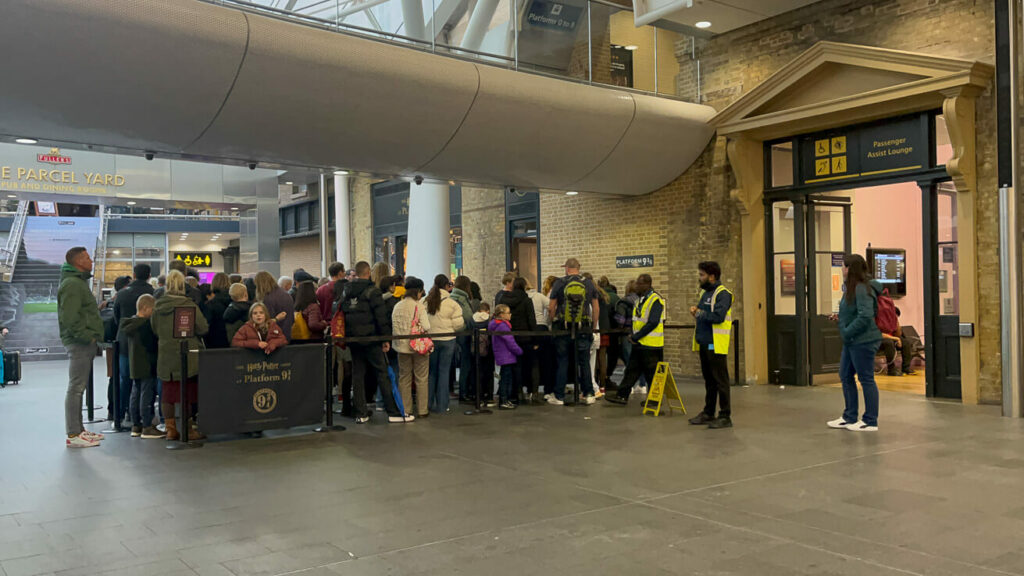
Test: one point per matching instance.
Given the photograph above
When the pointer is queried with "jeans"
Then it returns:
(563, 346)
(715, 369)
(125, 387)
(79, 369)
(466, 367)
(507, 383)
(859, 360)
(642, 362)
(368, 362)
(440, 369)
(140, 404)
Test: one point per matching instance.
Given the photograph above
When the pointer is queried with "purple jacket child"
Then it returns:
(504, 345)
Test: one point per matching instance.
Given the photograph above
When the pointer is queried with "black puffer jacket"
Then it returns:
(234, 316)
(523, 315)
(365, 312)
(214, 310)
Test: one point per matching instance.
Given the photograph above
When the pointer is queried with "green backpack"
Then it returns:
(575, 301)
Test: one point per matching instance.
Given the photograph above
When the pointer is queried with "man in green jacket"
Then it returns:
(80, 329)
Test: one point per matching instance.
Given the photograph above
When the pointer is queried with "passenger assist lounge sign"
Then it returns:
(871, 151)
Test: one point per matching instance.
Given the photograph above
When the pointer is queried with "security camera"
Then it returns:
(418, 180)
(252, 165)
(512, 189)
(150, 155)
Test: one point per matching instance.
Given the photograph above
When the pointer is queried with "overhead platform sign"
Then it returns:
(647, 11)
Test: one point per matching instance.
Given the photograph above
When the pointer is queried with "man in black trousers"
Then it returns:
(713, 314)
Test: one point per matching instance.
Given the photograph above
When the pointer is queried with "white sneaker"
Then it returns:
(81, 441)
(553, 401)
(641, 390)
(839, 423)
(588, 400)
(94, 436)
(398, 419)
(862, 427)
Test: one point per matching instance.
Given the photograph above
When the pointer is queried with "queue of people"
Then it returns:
(452, 341)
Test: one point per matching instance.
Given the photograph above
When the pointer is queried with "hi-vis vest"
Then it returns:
(655, 338)
(720, 332)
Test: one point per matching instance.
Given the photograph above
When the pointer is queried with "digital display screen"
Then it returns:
(889, 267)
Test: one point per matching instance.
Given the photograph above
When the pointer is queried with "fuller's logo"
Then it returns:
(54, 157)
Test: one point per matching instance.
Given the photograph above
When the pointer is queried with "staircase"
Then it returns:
(28, 308)
(9, 253)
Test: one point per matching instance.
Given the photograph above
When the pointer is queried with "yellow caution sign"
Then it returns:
(663, 388)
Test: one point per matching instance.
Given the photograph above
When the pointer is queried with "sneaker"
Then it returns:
(599, 393)
(490, 403)
(362, 419)
(506, 405)
(862, 427)
(136, 431)
(701, 419)
(399, 419)
(642, 390)
(588, 400)
(720, 422)
(96, 436)
(839, 424)
(81, 441)
(616, 400)
(553, 400)
(161, 427)
(151, 433)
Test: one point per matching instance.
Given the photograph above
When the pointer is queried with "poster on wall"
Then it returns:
(622, 66)
(787, 273)
(47, 239)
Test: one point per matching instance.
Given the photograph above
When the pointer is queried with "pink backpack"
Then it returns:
(885, 316)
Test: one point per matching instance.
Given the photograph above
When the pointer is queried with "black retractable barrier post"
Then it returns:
(183, 382)
(574, 366)
(329, 378)
(735, 353)
(474, 345)
(115, 408)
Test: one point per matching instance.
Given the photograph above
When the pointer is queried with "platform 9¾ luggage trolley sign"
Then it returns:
(242, 390)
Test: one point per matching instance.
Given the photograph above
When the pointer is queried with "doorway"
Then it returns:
(908, 233)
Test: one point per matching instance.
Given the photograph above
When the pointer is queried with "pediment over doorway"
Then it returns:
(837, 84)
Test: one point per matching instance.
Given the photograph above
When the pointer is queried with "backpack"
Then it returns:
(623, 313)
(885, 315)
(300, 329)
(575, 293)
(338, 327)
(483, 344)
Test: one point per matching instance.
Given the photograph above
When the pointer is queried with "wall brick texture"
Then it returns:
(483, 237)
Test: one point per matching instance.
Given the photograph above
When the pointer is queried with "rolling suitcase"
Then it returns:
(11, 368)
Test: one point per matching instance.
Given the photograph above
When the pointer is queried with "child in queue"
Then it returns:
(506, 353)
(485, 376)
(261, 332)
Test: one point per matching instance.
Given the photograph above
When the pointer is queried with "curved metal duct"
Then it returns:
(186, 77)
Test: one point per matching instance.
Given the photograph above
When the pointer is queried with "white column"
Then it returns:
(342, 221)
(412, 15)
(479, 21)
(428, 231)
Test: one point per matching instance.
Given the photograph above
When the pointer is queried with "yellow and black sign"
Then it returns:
(663, 388)
(195, 259)
(873, 150)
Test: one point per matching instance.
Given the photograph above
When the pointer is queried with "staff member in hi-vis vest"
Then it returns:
(713, 313)
(648, 339)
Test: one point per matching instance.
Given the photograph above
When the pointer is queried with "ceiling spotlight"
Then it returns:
(571, 193)
(117, 252)
(288, 183)
(631, 47)
(26, 140)
(234, 207)
(155, 208)
(341, 172)
(131, 202)
(703, 24)
(12, 196)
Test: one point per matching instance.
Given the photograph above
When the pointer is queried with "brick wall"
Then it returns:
(693, 218)
(302, 253)
(483, 237)
(362, 220)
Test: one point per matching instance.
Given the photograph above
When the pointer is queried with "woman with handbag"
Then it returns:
(445, 317)
(309, 323)
(410, 318)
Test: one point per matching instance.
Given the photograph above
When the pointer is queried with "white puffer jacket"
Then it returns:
(448, 318)
(401, 322)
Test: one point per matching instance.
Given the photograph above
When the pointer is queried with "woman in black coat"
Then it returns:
(214, 308)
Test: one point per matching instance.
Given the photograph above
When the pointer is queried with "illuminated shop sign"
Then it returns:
(49, 179)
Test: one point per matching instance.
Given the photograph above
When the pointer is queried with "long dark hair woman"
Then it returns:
(861, 338)
(308, 308)
(445, 317)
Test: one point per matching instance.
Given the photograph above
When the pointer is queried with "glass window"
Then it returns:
(949, 257)
(781, 164)
(302, 222)
(784, 259)
(150, 246)
(119, 240)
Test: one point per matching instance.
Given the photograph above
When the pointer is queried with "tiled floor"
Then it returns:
(589, 490)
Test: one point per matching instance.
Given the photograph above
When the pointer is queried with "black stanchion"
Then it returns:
(183, 382)
(329, 379)
(735, 354)
(475, 347)
(573, 365)
(90, 410)
(115, 370)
